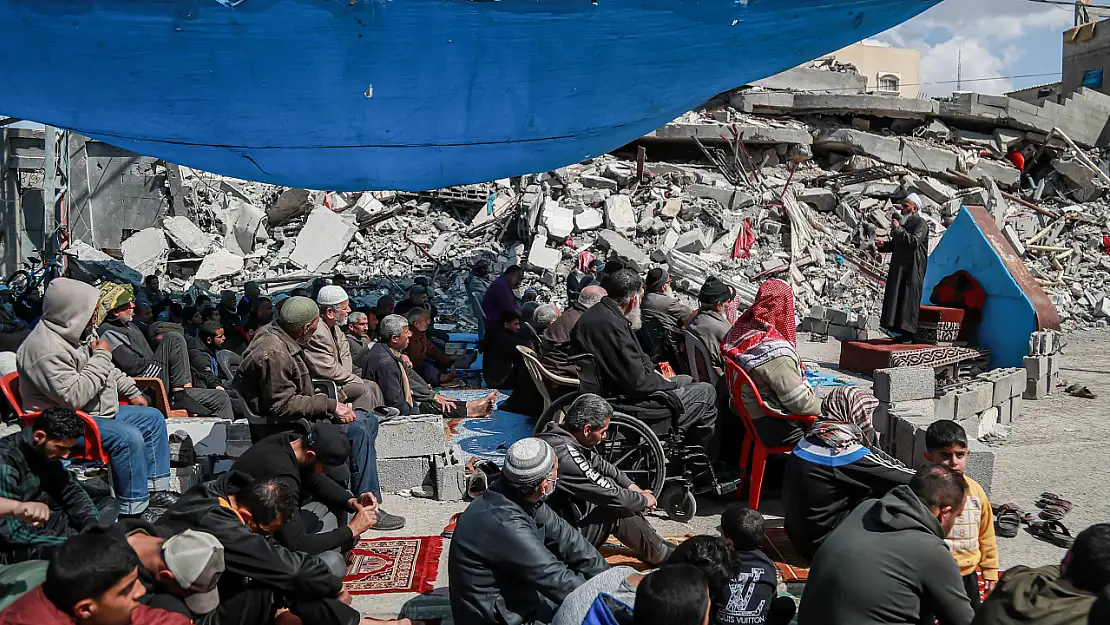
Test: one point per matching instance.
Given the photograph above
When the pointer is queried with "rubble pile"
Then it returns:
(756, 183)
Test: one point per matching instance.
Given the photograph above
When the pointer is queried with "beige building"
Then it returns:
(888, 70)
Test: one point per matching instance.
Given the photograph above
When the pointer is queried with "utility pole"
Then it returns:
(959, 69)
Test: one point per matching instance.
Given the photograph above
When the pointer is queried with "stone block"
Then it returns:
(944, 405)
(823, 200)
(923, 407)
(694, 241)
(973, 399)
(559, 221)
(728, 197)
(321, 241)
(623, 248)
(980, 464)
(1036, 367)
(450, 474)
(406, 437)
(597, 182)
(1036, 389)
(619, 214)
(184, 478)
(904, 383)
(209, 434)
(588, 219)
(397, 474)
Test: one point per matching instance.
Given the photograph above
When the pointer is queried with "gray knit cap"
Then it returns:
(298, 311)
(528, 460)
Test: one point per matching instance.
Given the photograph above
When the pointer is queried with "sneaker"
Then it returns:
(388, 522)
(163, 499)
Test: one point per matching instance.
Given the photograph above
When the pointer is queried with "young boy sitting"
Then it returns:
(753, 591)
(972, 537)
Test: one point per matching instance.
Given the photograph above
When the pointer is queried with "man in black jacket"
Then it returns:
(513, 560)
(31, 470)
(555, 343)
(202, 355)
(606, 331)
(260, 575)
(132, 353)
(888, 562)
(300, 461)
(593, 495)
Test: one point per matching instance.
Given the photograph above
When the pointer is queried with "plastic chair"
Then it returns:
(737, 380)
(161, 398)
(94, 448)
(701, 364)
(541, 376)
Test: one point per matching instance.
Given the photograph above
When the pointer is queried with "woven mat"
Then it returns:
(383, 565)
(792, 567)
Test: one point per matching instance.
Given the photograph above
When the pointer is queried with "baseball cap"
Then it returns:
(329, 443)
(196, 560)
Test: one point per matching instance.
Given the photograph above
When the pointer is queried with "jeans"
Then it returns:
(363, 434)
(139, 448)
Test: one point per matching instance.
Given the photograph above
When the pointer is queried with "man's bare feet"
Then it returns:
(482, 407)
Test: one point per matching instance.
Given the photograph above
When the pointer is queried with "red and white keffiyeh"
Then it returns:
(766, 330)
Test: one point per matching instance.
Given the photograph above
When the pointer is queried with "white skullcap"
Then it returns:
(331, 295)
(916, 199)
(528, 460)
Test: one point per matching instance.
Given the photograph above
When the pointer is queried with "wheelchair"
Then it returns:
(664, 464)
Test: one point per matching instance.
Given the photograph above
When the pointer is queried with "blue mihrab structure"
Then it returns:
(398, 94)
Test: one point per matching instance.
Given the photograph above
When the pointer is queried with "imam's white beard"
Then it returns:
(634, 317)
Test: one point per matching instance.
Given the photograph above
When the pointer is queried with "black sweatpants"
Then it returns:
(633, 531)
(172, 353)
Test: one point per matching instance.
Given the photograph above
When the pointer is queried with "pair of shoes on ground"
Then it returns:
(1009, 517)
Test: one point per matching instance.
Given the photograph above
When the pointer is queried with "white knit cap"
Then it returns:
(331, 295)
(528, 460)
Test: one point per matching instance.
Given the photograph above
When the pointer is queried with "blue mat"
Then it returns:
(489, 438)
(817, 380)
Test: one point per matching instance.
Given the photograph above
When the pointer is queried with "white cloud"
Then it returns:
(996, 37)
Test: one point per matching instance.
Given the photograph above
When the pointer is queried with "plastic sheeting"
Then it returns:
(398, 94)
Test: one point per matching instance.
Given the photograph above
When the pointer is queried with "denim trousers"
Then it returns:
(363, 434)
(139, 448)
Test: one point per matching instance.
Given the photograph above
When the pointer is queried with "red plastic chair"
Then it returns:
(737, 380)
(94, 448)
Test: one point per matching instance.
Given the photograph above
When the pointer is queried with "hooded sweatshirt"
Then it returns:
(1040, 596)
(883, 565)
(57, 367)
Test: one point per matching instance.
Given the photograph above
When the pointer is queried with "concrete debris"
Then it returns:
(187, 235)
(322, 241)
(146, 251)
(619, 215)
(219, 264)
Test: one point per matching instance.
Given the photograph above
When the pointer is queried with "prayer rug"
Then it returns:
(617, 554)
(791, 565)
(382, 565)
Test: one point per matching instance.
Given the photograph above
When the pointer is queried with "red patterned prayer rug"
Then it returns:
(382, 565)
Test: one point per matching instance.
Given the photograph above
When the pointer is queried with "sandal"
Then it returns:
(1053, 513)
(1052, 532)
(1054, 501)
(1023, 516)
(1007, 522)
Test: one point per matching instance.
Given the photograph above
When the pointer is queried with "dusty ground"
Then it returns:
(1058, 445)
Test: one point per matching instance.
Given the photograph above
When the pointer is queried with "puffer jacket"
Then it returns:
(513, 563)
(275, 381)
(56, 365)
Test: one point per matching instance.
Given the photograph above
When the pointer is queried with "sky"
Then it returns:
(996, 37)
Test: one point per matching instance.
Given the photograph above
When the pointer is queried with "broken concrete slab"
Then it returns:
(694, 241)
(671, 208)
(872, 105)
(625, 249)
(541, 257)
(219, 264)
(559, 221)
(588, 219)
(619, 214)
(729, 198)
(597, 182)
(322, 241)
(753, 134)
(1005, 174)
(822, 200)
(292, 203)
(146, 251)
(187, 235)
(243, 226)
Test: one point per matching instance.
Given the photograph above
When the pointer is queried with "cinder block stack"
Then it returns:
(413, 452)
(906, 408)
(1042, 365)
(844, 325)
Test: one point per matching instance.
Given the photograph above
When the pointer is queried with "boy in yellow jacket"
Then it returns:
(972, 537)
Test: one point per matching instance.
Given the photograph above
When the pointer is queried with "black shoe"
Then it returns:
(150, 515)
(163, 499)
(388, 522)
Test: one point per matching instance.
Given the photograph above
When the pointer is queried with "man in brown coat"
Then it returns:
(329, 354)
(276, 383)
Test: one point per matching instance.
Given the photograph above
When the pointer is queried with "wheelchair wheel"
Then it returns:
(679, 504)
(633, 448)
(555, 411)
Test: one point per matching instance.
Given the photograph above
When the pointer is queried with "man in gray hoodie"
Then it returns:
(887, 562)
(61, 364)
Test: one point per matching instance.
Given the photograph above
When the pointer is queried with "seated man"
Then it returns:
(427, 359)
(385, 306)
(659, 305)
(1059, 594)
(544, 316)
(93, 580)
(418, 298)
(606, 332)
(300, 461)
(763, 341)
(132, 353)
(499, 363)
(402, 387)
(907, 525)
(555, 342)
(593, 495)
(57, 367)
(329, 355)
(260, 575)
(513, 560)
(358, 335)
(31, 471)
(275, 383)
(202, 355)
(709, 325)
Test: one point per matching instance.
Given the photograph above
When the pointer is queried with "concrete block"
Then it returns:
(626, 250)
(1037, 389)
(1015, 409)
(321, 241)
(589, 219)
(923, 407)
(1002, 380)
(146, 251)
(980, 464)
(184, 478)
(823, 200)
(904, 383)
(1054, 362)
(1004, 174)
(187, 235)
(450, 474)
(396, 474)
(559, 221)
(973, 399)
(597, 182)
(209, 434)
(543, 258)
(909, 437)
(406, 437)
(884, 426)
(944, 406)
(728, 197)
(694, 241)
(985, 422)
(1004, 410)
(839, 317)
(1018, 382)
(1035, 367)
(619, 214)
(817, 312)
